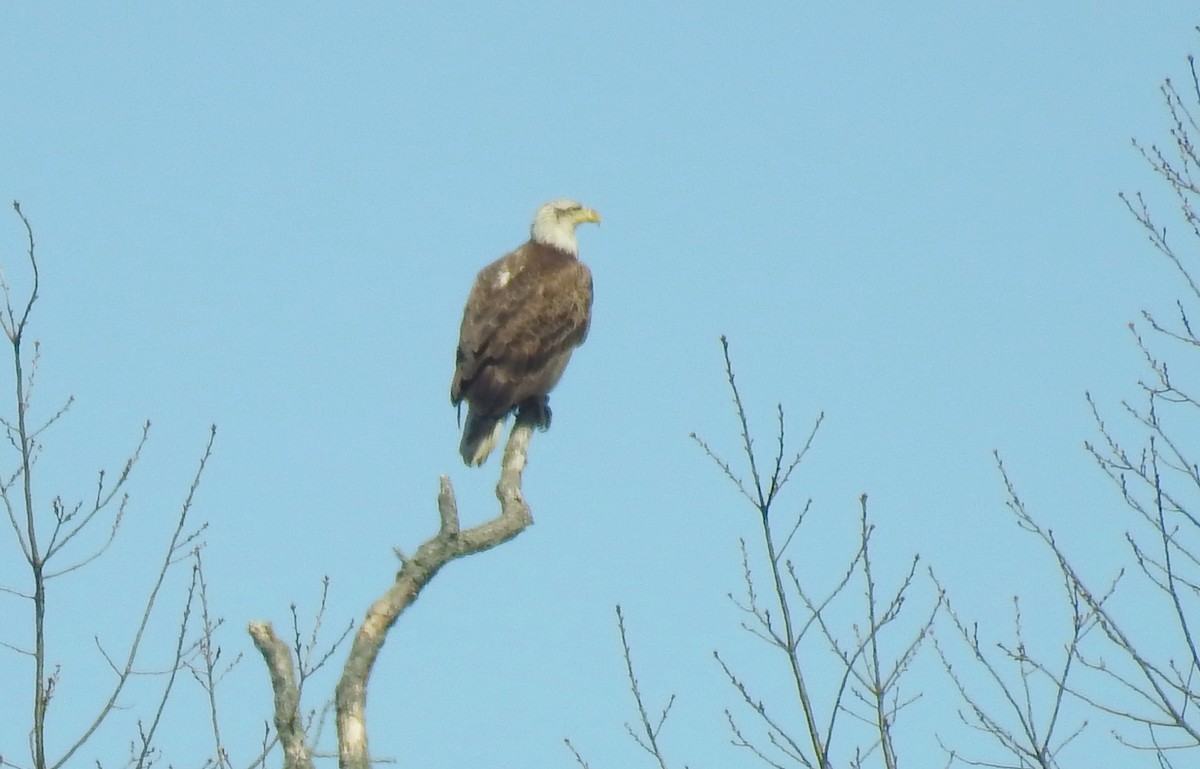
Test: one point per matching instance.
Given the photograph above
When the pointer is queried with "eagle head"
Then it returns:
(555, 222)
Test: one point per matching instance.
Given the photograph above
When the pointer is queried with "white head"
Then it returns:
(555, 222)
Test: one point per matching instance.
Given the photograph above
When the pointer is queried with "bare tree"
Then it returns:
(1158, 478)
(1142, 681)
(795, 620)
(1021, 701)
(854, 717)
(58, 537)
(1032, 697)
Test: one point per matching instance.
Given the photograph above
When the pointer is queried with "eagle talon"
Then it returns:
(536, 412)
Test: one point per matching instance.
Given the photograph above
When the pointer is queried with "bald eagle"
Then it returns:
(526, 314)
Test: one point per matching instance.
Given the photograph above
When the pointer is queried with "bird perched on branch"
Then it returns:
(526, 314)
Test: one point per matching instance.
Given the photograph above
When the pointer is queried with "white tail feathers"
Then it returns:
(480, 436)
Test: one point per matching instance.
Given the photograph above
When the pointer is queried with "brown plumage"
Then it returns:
(526, 314)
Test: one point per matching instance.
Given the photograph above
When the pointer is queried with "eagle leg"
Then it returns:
(536, 412)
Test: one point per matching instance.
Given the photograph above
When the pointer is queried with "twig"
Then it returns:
(648, 739)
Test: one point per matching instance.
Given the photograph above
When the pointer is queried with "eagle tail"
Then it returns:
(480, 436)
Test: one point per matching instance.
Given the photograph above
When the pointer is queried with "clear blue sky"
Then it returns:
(267, 217)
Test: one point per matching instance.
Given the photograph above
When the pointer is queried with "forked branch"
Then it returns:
(786, 612)
(416, 571)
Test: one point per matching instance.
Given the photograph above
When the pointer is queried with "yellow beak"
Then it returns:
(587, 215)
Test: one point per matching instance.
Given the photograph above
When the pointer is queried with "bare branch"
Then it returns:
(416, 572)
(289, 726)
(9, 322)
(179, 539)
(102, 501)
(647, 739)
(575, 753)
(147, 735)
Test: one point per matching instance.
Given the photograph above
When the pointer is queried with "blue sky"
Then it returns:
(268, 218)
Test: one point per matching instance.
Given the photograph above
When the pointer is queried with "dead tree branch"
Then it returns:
(289, 724)
(450, 543)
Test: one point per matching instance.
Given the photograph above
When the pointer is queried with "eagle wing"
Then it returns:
(526, 313)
